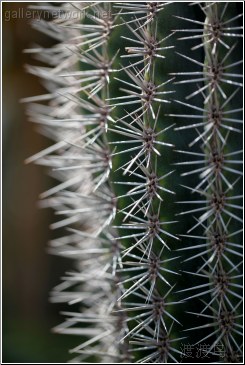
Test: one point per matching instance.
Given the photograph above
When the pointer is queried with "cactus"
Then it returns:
(113, 156)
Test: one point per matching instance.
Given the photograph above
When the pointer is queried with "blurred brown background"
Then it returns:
(29, 272)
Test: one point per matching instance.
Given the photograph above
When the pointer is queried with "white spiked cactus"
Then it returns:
(111, 158)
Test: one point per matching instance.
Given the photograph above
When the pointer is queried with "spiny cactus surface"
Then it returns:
(143, 106)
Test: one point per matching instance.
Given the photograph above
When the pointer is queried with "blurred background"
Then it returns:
(29, 272)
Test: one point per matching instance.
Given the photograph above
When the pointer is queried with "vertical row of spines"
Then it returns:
(77, 116)
(217, 165)
(145, 259)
